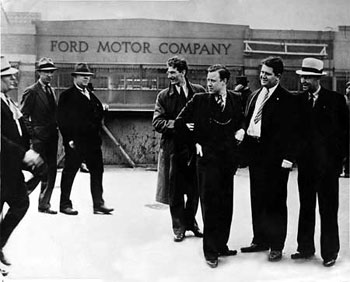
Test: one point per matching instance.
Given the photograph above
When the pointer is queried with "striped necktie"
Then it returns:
(220, 101)
(265, 93)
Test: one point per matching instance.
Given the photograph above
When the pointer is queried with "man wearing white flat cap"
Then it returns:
(324, 125)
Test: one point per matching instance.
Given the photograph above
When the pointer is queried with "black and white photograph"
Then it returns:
(175, 141)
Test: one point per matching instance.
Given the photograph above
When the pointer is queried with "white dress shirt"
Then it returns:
(254, 129)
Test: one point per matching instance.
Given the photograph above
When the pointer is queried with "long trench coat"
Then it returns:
(176, 148)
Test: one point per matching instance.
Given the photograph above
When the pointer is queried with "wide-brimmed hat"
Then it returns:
(311, 66)
(242, 80)
(6, 68)
(82, 69)
(46, 64)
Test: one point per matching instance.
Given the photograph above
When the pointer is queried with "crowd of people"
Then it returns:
(206, 134)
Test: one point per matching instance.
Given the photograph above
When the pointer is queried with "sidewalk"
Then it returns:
(135, 243)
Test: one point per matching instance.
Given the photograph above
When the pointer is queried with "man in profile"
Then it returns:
(15, 155)
(218, 129)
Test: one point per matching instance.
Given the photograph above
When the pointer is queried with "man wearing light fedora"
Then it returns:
(39, 109)
(15, 154)
(80, 116)
(324, 125)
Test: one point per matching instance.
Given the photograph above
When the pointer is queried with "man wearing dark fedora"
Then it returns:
(323, 129)
(15, 154)
(80, 116)
(39, 109)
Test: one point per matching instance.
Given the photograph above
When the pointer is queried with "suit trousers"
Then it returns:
(18, 203)
(183, 209)
(73, 159)
(268, 194)
(324, 186)
(48, 151)
(215, 182)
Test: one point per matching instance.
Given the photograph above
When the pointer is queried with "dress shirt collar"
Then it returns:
(316, 93)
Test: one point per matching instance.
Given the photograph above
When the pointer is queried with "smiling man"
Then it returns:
(270, 146)
(176, 167)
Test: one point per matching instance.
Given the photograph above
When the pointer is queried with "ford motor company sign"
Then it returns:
(139, 50)
(192, 48)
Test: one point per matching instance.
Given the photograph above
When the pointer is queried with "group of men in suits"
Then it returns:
(273, 131)
(29, 140)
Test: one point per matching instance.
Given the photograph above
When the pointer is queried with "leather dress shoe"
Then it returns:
(329, 262)
(69, 211)
(275, 255)
(212, 262)
(3, 259)
(254, 248)
(178, 237)
(3, 272)
(48, 211)
(196, 232)
(302, 255)
(228, 253)
(103, 210)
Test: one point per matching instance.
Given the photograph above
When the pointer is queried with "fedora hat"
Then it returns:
(6, 68)
(242, 80)
(46, 64)
(311, 66)
(82, 69)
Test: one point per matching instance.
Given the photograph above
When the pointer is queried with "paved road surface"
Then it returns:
(135, 243)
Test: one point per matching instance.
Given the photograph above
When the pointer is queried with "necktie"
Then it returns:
(183, 98)
(49, 94)
(311, 100)
(220, 101)
(265, 93)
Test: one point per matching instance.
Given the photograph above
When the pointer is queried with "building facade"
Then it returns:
(128, 58)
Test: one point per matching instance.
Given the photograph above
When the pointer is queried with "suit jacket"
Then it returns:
(325, 128)
(200, 111)
(13, 149)
(79, 119)
(167, 108)
(279, 125)
(39, 114)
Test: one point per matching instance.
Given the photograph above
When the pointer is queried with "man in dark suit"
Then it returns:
(39, 111)
(270, 147)
(15, 154)
(176, 169)
(323, 138)
(217, 117)
(80, 116)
